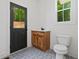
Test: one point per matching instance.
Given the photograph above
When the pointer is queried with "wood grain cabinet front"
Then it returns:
(41, 40)
(34, 39)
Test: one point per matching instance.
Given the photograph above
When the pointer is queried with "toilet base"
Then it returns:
(59, 56)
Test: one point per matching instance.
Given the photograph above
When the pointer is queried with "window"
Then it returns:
(63, 10)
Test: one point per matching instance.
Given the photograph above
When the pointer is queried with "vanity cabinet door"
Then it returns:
(34, 39)
(40, 42)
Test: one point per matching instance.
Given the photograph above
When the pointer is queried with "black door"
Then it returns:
(18, 27)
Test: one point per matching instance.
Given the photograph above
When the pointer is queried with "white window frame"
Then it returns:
(63, 13)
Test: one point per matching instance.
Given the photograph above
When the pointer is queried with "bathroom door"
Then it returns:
(18, 27)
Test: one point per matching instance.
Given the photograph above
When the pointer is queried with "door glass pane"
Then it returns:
(18, 17)
(67, 15)
(60, 16)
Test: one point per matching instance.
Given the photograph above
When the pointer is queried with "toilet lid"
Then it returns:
(60, 47)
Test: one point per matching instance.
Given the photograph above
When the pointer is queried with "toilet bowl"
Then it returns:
(60, 50)
(62, 47)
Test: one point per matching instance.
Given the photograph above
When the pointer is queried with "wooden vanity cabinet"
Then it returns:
(41, 40)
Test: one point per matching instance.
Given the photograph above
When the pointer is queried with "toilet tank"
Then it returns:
(64, 39)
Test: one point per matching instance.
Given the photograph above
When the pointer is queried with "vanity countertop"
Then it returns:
(41, 30)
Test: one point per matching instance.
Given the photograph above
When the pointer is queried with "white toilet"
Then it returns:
(62, 47)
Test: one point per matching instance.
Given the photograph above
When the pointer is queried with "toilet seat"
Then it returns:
(61, 49)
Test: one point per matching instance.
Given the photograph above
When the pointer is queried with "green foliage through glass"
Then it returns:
(63, 10)
(59, 5)
(60, 18)
(19, 14)
(67, 15)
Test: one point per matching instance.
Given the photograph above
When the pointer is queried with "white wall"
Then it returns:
(4, 27)
(48, 19)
